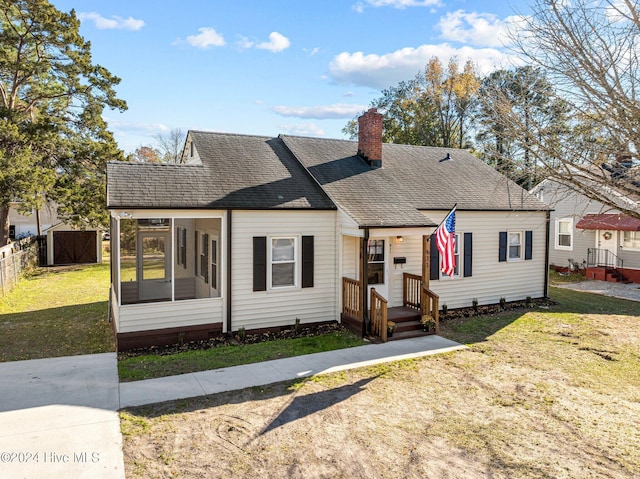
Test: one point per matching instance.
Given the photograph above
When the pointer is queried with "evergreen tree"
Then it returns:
(54, 143)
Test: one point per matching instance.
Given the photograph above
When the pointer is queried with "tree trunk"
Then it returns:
(4, 225)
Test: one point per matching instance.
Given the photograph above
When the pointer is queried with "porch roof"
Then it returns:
(609, 221)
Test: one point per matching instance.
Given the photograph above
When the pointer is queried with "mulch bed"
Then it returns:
(308, 331)
(237, 338)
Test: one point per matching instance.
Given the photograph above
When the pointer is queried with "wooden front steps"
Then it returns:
(407, 323)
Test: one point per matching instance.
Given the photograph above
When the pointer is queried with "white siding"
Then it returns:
(491, 280)
(568, 204)
(262, 309)
(149, 316)
(350, 255)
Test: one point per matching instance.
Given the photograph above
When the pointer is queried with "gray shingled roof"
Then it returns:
(412, 178)
(237, 171)
(256, 172)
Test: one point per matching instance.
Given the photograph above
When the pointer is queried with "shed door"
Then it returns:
(71, 247)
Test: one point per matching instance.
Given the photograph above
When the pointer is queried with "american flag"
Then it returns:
(446, 243)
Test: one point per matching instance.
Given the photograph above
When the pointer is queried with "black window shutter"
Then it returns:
(468, 254)
(259, 263)
(205, 259)
(195, 254)
(528, 244)
(502, 251)
(307, 261)
(434, 259)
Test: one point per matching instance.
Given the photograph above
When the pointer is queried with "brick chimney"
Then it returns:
(370, 137)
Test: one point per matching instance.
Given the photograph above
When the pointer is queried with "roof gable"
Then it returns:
(235, 171)
(411, 179)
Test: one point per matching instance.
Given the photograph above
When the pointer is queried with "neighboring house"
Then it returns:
(65, 244)
(587, 235)
(257, 233)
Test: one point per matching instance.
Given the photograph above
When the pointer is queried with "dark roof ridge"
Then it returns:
(221, 133)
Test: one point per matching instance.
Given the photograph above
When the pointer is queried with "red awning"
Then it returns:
(609, 221)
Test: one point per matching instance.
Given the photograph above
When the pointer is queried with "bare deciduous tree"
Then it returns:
(590, 52)
(170, 145)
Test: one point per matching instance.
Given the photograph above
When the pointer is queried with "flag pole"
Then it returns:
(447, 215)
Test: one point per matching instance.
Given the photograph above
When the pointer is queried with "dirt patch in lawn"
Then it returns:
(543, 394)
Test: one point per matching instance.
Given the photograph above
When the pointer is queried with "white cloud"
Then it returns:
(113, 23)
(277, 42)
(336, 111)
(207, 37)
(244, 43)
(382, 71)
(400, 4)
(477, 28)
(136, 127)
(306, 129)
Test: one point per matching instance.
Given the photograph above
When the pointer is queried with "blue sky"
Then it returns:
(301, 67)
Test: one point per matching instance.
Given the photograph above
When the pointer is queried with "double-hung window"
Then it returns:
(515, 245)
(564, 234)
(283, 262)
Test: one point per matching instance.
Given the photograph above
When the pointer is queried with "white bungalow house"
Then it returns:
(256, 232)
(592, 237)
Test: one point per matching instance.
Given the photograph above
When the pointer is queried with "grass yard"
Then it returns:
(59, 311)
(540, 393)
(154, 366)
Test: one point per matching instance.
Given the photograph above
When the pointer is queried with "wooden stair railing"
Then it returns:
(416, 295)
(411, 287)
(378, 313)
(352, 299)
(429, 306)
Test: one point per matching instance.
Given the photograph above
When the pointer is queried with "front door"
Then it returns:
(378, 267)
(154, 261)
(608, 240)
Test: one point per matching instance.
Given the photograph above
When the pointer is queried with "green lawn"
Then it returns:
(57, 312)
(154, 366)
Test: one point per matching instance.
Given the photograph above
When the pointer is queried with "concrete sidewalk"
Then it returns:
(239, 377)
(59, 420)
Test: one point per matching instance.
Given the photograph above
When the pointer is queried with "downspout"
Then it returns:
(229, 275)
(365, 283)
(546, 256)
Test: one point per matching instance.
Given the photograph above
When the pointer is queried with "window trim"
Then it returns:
(557, 235)
(383, 262)
(624, 242)
(459, 266)
(295, 261)
(521, 244)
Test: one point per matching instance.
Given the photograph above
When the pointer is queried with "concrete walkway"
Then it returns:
(59, 420)
(239, 377)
